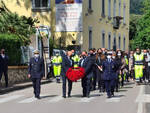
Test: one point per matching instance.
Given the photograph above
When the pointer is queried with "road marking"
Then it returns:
(113, 100)
(87, 99)
(139, 100)
(56, 99)
(28, 100)
(10, 98)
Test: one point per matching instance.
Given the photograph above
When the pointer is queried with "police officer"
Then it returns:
(138, 65)
(4, 66)
(36, 72)
(75, 59)
(57, 61)
(67, 63)
(109, 74)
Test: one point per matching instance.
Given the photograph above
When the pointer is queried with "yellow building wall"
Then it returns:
(24, 7)
(99, 24)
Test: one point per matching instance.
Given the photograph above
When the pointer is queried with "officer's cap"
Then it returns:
(36, 52)
(109, 53)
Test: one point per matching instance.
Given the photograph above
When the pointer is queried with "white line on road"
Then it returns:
(87, 99)
(139, 100)
(10, 98)
(56, 99)
(113, 100)
(28, 100)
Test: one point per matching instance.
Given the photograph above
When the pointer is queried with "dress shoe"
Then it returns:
(69, 96)
(109, 96)
(64, 96)
(38, 97)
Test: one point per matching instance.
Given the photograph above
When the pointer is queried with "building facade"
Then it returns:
(106, 24)
(45, 12)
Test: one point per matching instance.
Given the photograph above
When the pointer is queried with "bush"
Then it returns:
(11, 43)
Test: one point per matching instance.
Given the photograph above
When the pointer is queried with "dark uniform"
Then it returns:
(36, 70)
(4, 68)
(109, 76)
(88, 65)
(119, 64)
(67, 63)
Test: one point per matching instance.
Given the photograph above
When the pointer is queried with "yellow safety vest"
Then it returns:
(139, 59)
(57, 60)
(126, 61)
(76, 60)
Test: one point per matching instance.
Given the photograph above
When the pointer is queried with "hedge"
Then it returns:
(11, 44)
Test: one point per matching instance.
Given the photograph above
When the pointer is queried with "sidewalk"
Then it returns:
(20, 86)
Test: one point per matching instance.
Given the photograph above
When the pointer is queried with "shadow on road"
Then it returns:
(48, 96)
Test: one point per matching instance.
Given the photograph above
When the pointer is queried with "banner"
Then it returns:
(68, 15)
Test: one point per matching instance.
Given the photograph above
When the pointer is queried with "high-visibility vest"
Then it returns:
(127, 62)
(57, 60)
(139, 59)
(76, 60)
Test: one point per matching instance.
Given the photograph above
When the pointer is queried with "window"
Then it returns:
(119, 42)
(109, 8)
(90, 38)
(119, 7)
(90, 4)
(103, 7)
(40, 4)
(103, 40)
(114, 11)
(124, 13)
(124, 43)
(109, 41)
(114, 43)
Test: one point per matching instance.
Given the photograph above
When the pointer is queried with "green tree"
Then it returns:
(12, 23)
(142, 37)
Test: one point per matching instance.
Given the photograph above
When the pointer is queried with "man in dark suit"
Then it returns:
(88, 64)
(4, 66)
(109, 74)
(36, 72)
(67, 63)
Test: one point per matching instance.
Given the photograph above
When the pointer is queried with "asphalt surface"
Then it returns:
(128, 100)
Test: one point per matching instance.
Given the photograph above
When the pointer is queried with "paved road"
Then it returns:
(130, 99)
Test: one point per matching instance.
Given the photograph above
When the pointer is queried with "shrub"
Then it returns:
(11, 43)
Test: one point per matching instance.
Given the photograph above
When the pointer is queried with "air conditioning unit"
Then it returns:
(116, 22)
(90, 10)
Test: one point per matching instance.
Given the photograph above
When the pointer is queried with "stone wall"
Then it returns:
(16, 74)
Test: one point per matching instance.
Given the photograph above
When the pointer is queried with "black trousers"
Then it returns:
(86, 83)
(110, 84)
(36, 86)
(117, 83)
(64, 80)
(95, 78)
(6, 77)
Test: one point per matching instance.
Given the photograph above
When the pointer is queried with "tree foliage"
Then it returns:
(142, 29)
(12, 23)
(135, 6)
